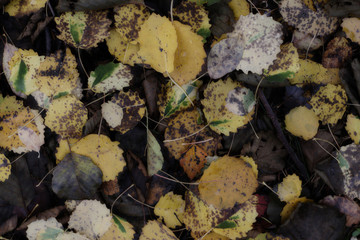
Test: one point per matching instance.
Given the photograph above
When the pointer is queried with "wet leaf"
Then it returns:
(155, 230)
(353, 128)
(91, 218)
(170, 209)
(5, 168)
(76, 177)
(83, 29)
(289, 188)
(20, 8)
(227, 181)
(193, 161)
(120, 229)
(155, 158)
(302, 122)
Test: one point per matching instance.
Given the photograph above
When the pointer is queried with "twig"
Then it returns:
(300, 166)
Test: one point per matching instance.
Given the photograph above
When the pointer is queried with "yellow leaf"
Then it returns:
(289, 188)
(227, 181)
(128, 20)
(351, 26)
(353, 128)
(119, 230)
(123, 51)
(19, 8)
(199, 217)
(183, 126)
(155, 230)
(5, 168)
(83, 29)
(252, 163)
(170, 208)
(190, 54)
(158, 43)
(302, 122)
(193, 161)
(312, 72)
(65, 145)
(220, 119)
(103, 152)
(329, 103)
(214, 236)
(290, 207)
(57, 75)
(66, 116)
(237, 226)
(239, 8)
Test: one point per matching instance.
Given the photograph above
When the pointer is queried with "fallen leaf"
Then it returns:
(35, 227)
(302, 122)
(351, 28)
(306, 41)
(71, 236)
(83, 29)
(20, 8)
(291, 206)
(337, 52)
(170, 209)
(227, 181)
(353, 128)
(240, 8)
(155, 230)
(193, 161)
(49, 233)
(289, 188)
(120, 229)
(155, 158)
(5, 168)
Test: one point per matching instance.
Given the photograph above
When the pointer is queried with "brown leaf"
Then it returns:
(110, 187)
(337, 52)
(193, 160)
(8, 225)
(52, 212)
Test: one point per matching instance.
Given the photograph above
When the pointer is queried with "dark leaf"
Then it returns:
(83, 5)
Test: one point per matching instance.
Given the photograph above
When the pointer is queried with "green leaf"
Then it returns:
(60, 94)
(227, 224)
(205, 33)
(77, 30)
(155, 159)
(49, 234)
(76, 177)
(118, 223)
(19, 81)
(102, 72)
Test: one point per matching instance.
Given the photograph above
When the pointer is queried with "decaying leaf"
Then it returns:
(240, 101)
(123, 51)
(305, 41)
(19, 8)
(220, 119)
(21, 129)
(237, 226)
(155, 158)
(193, 161)
(71, 236)
(5, 168)
(329, 103)
(302, 122)
(261, 37)
(83, 29)
(240, 8)
(66, 116)
(189, 56)
(296, 13)
(351, 28)
(170, 209)
(35, 227)
(110, 76)
(289, 188)
(128, 20)
(158, 43)
(227, 181)
(312, 72)
(76, 177)
(173, 99)
(194, 15)
(120, 229)
(155, 230)
(90, 218)
(181, 130)
(291, 206)
(49, 233)
(129, 105)
(337, 52)
(353, 128)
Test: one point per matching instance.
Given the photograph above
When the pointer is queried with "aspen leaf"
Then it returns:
(155, 158)
(353, 128)
(239, 8)
(215, 236)
(91, 218)
(49, 233)
(220, 119)
(289, 188)
(351, 28)
(291, 206)
(240, 101)
(193, 161)
(227, 181)
(302, 122)
(76, 177)
(237, 226)
(5, 168)
(119, 230)
(155, 230)
(83, 29)
(306, 41)
(158, 43)
(66, 116)
(71, 236)
(172, 99)
(338, 52)
(124, 111)
(110, 76)
(189, 55)
(296, 13)
(194, 15)
(64, 148)
(261, 37)
(128, 20)
(329, 103)
(103, 152)
(19, 8)
(170, 209)
(123, 51)
(183, 126)
(35, 227)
